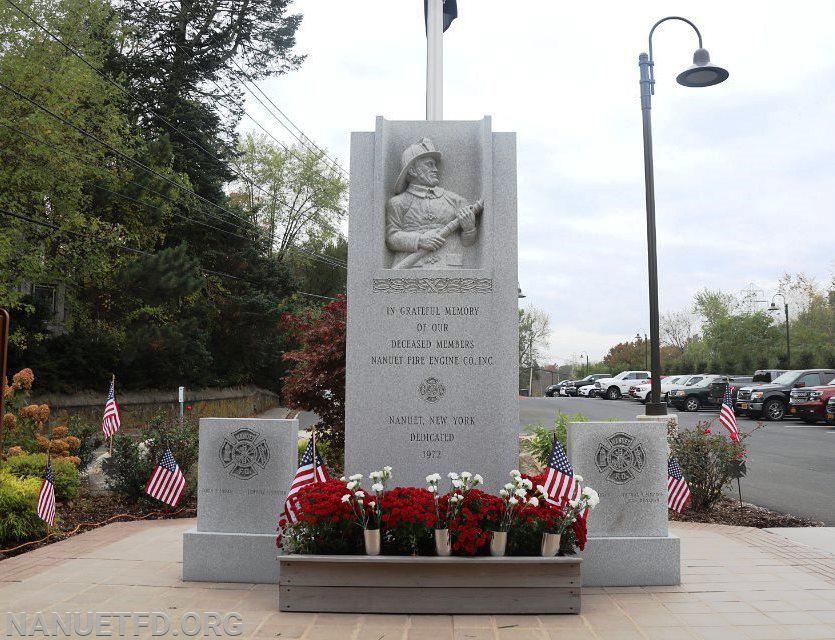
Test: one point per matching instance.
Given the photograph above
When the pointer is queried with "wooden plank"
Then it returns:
(442, 600)
(415, 574)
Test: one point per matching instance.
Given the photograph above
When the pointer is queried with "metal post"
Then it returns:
(181, 396)
(587, 364)
(435, 60)
(5, 321)
(530, 362)
(788, 340)
(646, 352)
(654, 407)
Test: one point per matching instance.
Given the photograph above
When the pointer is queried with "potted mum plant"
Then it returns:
(513, 495)
(573, 509)
(461, 483)
(368, 517)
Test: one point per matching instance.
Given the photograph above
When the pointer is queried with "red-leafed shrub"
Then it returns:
(317, 381)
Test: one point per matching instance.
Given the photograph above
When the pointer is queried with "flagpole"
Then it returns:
(113, 382)
(435, 60)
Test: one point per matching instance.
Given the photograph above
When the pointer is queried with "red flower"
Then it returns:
(707, 431)
(188, 407)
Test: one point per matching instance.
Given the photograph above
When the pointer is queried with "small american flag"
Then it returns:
(308, 473)
(678, 493)
(167, 481)
(559, 482)
(111, 422)
(46, 497)
(727, 417)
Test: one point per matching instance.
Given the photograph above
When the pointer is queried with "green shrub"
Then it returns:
(709, 462)
(18, 508)
(541, 439)
(32, 465)
(91, 439)
(132, 463)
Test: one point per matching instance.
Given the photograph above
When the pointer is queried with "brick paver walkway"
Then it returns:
(738, 583)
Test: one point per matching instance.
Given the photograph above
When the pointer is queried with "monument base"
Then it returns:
(631, 562)
(229, 557)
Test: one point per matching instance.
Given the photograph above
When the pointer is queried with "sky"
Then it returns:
(744, 186)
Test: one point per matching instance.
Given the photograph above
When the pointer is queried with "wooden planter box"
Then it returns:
(407, 584)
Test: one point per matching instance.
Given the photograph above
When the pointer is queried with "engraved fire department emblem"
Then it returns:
(431, 390)
(243, 453)
(620, 458)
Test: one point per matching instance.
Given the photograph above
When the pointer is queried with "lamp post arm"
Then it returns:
(651, 59)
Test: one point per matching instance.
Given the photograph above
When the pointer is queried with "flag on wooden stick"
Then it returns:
(311, 469)
(46, 496)
(167, 481)
(112, 421)
(678, 492)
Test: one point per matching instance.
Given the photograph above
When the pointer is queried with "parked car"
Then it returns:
(615, 388)
(767, 375)
(771, 401)
(574, 387)
(830, 411)
(707, 392)
(641, 392)
(810, 404)
(589, 391)
(557, 389)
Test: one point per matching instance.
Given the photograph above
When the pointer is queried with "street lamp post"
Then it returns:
(585, 353)
(701, 74)
(774, 307)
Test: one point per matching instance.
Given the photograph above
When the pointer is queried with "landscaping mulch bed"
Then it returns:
(727, 511)
(88, 512)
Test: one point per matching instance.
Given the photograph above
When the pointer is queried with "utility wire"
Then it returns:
(124, 247)
(323, 258)
(124, 90)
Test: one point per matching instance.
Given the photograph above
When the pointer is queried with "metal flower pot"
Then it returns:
(372, 542)
(550, 545)
(498, 543)
(443, 542)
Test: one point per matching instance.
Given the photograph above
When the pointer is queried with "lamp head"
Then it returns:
(702, 73)
(773, 307)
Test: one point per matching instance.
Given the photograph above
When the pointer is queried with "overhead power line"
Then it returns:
(124, 247)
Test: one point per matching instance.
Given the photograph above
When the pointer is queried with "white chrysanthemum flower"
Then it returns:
(574, 503)
(477, 479)
(387, 470)
(355, 477)
(510, 486)
(346, 498)
(466, 475)
(578, 477)
(591, 497)
(372, 504)
(375, 475)
(504, 493)
(433, 478)
(432, 488)
(455, 499)
(360, 494)
(452, 475)
(457, 484)
(541, 490)
(520, 492)
(377, 487)
(514, 473)
(527, 484)
(343, 479)
(513, 500)
(352, 485)
(534, 501)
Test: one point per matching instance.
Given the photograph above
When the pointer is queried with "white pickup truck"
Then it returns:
(614, 388)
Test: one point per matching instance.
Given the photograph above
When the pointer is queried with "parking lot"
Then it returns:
(791, 465)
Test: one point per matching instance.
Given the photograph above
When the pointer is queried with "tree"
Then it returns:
(317, 380)
(677, 330)
(294, 195)
(534, 338)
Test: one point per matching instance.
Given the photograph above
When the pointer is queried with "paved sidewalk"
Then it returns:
(738, 583)
(820, 538)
